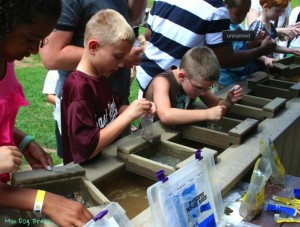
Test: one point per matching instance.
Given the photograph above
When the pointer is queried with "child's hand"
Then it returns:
(235, 94)
(10, 159)
(296, 51)
(269, 62)
(292, 31)
(216, 113)
(268, 44)
(153, 108)
(134, 57)
(37, 157)
(261, 35)
(139, 107)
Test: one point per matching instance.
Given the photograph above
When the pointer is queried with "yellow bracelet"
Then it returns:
(39, 200)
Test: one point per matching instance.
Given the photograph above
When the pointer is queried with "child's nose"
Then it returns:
(121, 64)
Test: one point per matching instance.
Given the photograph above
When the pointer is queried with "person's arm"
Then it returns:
(62, 211)
(286, 50)
(169, 115)
(136, 9)
(234, 95)
(267, 61)
(33, 152)
(134, 57)
(147, 34)
(58, 53)
(251, 16)
(111, 131)
(51, 98)
(290, 32)
(230, 59)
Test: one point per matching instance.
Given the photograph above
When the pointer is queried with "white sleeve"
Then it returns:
(256, 6)
(50, 82)
(294, 14)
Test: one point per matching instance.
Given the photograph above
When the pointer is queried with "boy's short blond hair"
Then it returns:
(108, 27)
(201, 63)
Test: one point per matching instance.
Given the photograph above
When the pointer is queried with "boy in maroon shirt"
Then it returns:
(92, 116)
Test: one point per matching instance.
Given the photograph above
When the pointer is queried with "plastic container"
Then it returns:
(113, 215)
(188, 197)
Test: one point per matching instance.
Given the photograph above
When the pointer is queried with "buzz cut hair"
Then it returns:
(201, 63)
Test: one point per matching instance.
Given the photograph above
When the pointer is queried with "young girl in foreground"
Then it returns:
(24, 26)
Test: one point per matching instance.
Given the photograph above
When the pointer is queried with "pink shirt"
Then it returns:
(11, 98)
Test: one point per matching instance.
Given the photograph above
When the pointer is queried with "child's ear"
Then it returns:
(265, 6)
(93, 46)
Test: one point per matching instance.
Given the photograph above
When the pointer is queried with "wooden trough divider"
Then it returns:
(256, 107)
(263, 85)
(236, 130)
(288, 67)
(143, 158)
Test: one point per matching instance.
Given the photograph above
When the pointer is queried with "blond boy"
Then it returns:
(92, 116)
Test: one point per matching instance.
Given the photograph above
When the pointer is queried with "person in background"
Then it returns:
(174, 91)
(271, 11)
(24, 26)
(49, 90)
(238, 10)
(174, 27)
(294, 18)
(285, 31)
(92, 115)
(65, 47)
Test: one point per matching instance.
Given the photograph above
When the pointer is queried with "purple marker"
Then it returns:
(94, 222)
(100, 215)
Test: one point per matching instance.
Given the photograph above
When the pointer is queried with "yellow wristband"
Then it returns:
(39, 200)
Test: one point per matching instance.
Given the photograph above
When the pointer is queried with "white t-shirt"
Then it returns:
(50, 82)
(293, 17)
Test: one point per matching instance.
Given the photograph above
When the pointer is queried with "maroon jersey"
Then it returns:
(87, 106)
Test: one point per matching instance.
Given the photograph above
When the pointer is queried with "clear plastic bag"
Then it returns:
(268, 151)
(253, 200)
(147, 127)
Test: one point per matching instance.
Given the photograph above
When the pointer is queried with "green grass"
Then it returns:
(36, 119)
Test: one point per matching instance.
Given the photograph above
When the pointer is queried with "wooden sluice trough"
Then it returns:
(68, 181)
(125, 169)
(267, 87)
(222, 133)
(256, 108)
(145, 158)
(287, 67)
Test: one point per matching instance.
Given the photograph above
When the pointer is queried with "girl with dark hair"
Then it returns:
(24, 26)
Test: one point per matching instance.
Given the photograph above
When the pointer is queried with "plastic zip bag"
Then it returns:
(268, 151)
(147, 127)
(253, 200)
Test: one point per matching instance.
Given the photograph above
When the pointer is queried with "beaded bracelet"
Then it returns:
(39, 200)
(26, 140)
